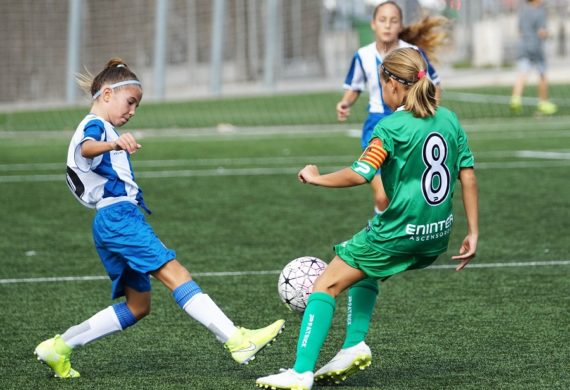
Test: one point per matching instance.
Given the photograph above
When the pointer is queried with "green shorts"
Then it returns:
(358, 253)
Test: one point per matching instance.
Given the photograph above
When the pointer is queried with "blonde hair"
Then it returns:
(408, 67)
(429, 33)
(115, 71)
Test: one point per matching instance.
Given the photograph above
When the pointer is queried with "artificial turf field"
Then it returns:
(230, 202)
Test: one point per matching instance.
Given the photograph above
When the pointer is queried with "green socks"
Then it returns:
(361, 300)
(314, 329)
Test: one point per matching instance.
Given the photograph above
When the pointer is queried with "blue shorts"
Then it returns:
(128, 247)
(368, 127)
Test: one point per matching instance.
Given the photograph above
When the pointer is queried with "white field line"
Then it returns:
(543, 154)
(271, 171)
(516, 264)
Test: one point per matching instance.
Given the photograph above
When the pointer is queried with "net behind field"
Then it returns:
(282, 110)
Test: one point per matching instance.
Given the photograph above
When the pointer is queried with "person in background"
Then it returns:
(390, 33)
(533, 33)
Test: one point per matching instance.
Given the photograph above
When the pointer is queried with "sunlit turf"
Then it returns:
(497, 327)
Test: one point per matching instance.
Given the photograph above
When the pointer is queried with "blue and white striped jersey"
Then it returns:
(105, 179)
(364, 72)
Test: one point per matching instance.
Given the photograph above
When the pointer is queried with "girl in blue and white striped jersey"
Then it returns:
(390, 34)
(100, 175)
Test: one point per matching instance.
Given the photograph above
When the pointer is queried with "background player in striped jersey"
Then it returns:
(390, 33)
(422, 149)
(100, 175)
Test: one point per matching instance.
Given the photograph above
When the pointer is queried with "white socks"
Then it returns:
(204, 310)
(101, 324)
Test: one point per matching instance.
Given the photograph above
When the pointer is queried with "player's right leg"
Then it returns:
(523, 67)
(56, 352)
(243, 344)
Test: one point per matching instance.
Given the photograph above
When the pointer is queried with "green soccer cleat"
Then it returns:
(245, 343)
(346, 363)
(56, 353)
(547, 108)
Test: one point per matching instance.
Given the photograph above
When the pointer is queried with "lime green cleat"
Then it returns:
(516, 104)
(56, 353)
(547, 108)
(245, 344)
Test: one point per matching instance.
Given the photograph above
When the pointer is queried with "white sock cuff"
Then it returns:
(204, 310)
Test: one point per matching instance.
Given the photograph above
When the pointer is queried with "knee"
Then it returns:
(140, 311)
(322, 285)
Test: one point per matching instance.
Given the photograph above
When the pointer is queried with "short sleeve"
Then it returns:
(356, 77)
(94, 130)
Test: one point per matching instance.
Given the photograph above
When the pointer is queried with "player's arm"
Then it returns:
(344, 178)
(362, 170)
(91, 148)
(468, 247)
(343, 107)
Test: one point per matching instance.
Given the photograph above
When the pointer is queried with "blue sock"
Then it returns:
(185, 292)
(124, 314)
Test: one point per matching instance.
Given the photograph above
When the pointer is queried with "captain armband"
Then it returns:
(370, 160)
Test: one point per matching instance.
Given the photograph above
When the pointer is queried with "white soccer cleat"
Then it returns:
(287, 380)
(347, 361)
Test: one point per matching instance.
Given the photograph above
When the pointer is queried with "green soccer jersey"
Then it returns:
(423, 157)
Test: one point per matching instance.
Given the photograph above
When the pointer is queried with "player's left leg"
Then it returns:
(242, 343)
(315, 326)
(545, 106)
(355, 355)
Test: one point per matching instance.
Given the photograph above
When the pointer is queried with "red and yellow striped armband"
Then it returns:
(374, 154)
(370, 160)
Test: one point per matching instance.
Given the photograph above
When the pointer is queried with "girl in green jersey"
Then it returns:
(422, 148)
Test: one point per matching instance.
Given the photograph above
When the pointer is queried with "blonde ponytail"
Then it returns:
(408, 67)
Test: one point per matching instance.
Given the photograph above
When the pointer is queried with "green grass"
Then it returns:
(278, 110)
(483, 328)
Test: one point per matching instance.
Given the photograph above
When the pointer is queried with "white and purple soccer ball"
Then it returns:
(296, 281)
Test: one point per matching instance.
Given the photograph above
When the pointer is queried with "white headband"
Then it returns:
(116, 85)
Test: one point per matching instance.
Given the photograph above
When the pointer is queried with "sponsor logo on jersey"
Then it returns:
(430, 230)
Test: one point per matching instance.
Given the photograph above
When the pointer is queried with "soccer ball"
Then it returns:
(296, 281)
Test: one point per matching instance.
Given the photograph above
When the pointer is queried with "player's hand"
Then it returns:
(466, 251)
(126, 142)
(308, 174)
(342, 111)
